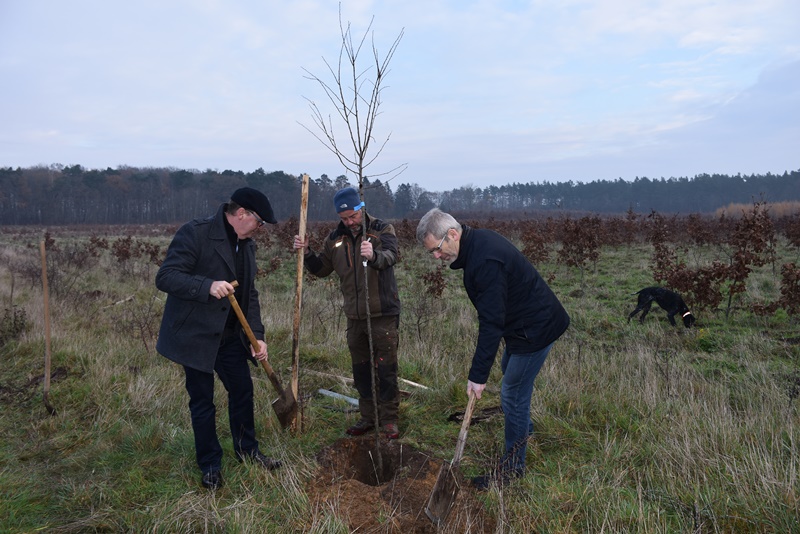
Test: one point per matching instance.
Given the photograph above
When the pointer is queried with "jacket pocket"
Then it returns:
(181, 320)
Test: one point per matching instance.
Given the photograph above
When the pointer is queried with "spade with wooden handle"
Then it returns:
(449, 481)
(285, 405)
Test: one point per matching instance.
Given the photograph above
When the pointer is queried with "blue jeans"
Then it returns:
(519, 372)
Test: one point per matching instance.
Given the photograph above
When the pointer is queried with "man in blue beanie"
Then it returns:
(355, 254)
(200, 331)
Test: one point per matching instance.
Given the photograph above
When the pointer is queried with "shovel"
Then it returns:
(285, 405)
(444, 493)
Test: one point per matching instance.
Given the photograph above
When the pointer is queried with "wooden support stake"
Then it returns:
(298, 298)
(47, 355)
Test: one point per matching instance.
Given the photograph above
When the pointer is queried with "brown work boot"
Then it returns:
(361, 427)
(391, 431)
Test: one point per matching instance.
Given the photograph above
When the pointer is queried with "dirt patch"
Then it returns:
(392, 499)
(15, 395)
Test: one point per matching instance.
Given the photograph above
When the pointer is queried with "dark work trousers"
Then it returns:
(385, 340)
(233, 369)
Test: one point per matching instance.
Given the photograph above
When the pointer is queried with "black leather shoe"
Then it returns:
(260, 459)
(212, 480)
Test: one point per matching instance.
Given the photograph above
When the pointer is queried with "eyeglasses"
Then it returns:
(261, 222)
(438, 247)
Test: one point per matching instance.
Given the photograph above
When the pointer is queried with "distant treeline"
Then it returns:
(128, 195)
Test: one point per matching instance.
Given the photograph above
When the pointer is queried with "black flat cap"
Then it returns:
(254, 200)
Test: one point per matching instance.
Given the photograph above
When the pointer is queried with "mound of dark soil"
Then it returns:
(391, 497)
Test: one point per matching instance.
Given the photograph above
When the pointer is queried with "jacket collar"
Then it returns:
(465, 243)
(219, 233)
(218, 230)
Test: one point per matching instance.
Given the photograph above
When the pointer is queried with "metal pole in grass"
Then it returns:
(47, 358)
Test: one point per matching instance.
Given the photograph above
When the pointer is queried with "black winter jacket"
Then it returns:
(512, 300)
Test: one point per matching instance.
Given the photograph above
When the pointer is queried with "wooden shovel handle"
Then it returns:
(462, 435)
(253, 341)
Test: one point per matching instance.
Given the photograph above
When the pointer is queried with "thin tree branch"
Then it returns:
(356, 103)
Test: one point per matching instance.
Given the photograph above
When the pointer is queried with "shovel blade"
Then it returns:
(285, 408)
(444, 493)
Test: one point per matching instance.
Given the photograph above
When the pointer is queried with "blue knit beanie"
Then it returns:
(347, 199)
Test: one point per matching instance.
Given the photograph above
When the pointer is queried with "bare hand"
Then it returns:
(220, 289)
(367, 251)
(262, 351)
(300, 243)
(477, 389)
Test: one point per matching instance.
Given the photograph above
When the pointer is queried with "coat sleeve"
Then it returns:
(176, 276)
(320, 265)
(489, 298)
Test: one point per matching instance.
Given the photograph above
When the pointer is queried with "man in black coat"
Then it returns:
(514, 304)
(201, 332)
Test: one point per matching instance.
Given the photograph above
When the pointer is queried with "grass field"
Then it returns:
(639, 428)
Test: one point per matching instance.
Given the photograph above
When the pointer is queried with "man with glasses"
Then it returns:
(354, 254)
(514, 304)
(201, 332)
(261, 222)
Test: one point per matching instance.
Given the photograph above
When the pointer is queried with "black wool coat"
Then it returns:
(193, 322)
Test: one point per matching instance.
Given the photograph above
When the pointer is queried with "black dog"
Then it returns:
(668, 300)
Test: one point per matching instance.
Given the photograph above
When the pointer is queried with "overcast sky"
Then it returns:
(478, 93)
